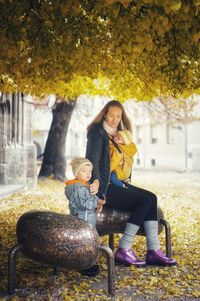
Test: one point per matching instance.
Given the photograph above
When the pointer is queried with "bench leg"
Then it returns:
(111, 269)
(12, 268)
(112, 241)
(167, 237)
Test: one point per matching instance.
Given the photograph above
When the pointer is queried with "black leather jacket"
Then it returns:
(98, 152)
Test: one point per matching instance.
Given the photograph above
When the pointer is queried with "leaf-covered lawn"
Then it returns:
(178, 196)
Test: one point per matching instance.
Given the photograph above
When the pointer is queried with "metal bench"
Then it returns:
(59, 240)
(65, 241)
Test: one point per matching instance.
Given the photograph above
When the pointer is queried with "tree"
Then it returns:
(137, 49)
(169, 109)
(54, 162)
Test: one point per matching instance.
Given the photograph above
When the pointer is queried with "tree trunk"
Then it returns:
(54, 161)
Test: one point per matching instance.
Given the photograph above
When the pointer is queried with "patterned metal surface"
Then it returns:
(112, 221)
(58, 239)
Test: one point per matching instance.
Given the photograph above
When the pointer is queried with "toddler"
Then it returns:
(81, 203)
(122, 150)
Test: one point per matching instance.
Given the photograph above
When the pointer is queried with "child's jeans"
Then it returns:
(115, 181)
(88, 215)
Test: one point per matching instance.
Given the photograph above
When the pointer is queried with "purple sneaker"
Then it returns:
(127, 257)
(156, 257)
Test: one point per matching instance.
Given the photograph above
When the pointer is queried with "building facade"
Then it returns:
(17, 151)
(163, 144)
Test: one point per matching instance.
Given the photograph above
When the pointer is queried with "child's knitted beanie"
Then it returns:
(77, 163)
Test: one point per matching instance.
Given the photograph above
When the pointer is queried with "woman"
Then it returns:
(141, 203)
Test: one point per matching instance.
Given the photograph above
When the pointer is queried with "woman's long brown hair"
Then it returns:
(125, 122)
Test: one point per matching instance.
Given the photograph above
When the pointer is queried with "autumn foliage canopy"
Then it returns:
(125, 48)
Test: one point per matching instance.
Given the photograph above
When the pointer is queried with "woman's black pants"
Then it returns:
(140, 202)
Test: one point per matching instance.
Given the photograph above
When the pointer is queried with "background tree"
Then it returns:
(124, 49)
(140, 49)
(169, 109)
(54, 161)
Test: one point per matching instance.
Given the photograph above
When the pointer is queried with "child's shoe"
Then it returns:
(92, 271)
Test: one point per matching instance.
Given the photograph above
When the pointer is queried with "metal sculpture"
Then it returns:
(66, 241)
(60, 240)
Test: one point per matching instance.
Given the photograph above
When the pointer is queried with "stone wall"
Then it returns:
(17, 151)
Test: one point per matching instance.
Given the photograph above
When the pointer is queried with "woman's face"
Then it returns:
(113, 116)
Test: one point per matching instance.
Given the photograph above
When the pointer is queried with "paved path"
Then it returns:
(6, 190)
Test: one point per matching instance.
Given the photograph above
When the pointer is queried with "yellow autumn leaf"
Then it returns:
(156, 282)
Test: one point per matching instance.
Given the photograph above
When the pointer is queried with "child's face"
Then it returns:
(118, 139)
(85, 173)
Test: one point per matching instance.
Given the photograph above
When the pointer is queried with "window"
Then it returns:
(170, 134)
(190, 155)
(154, 140)
(139, 134)
(153, 134)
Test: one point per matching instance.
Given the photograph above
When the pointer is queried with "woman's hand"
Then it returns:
(94, 187)
(100, 204)
(99, 209)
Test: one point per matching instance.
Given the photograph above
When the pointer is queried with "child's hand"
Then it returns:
(118, 139)
(100, 204)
